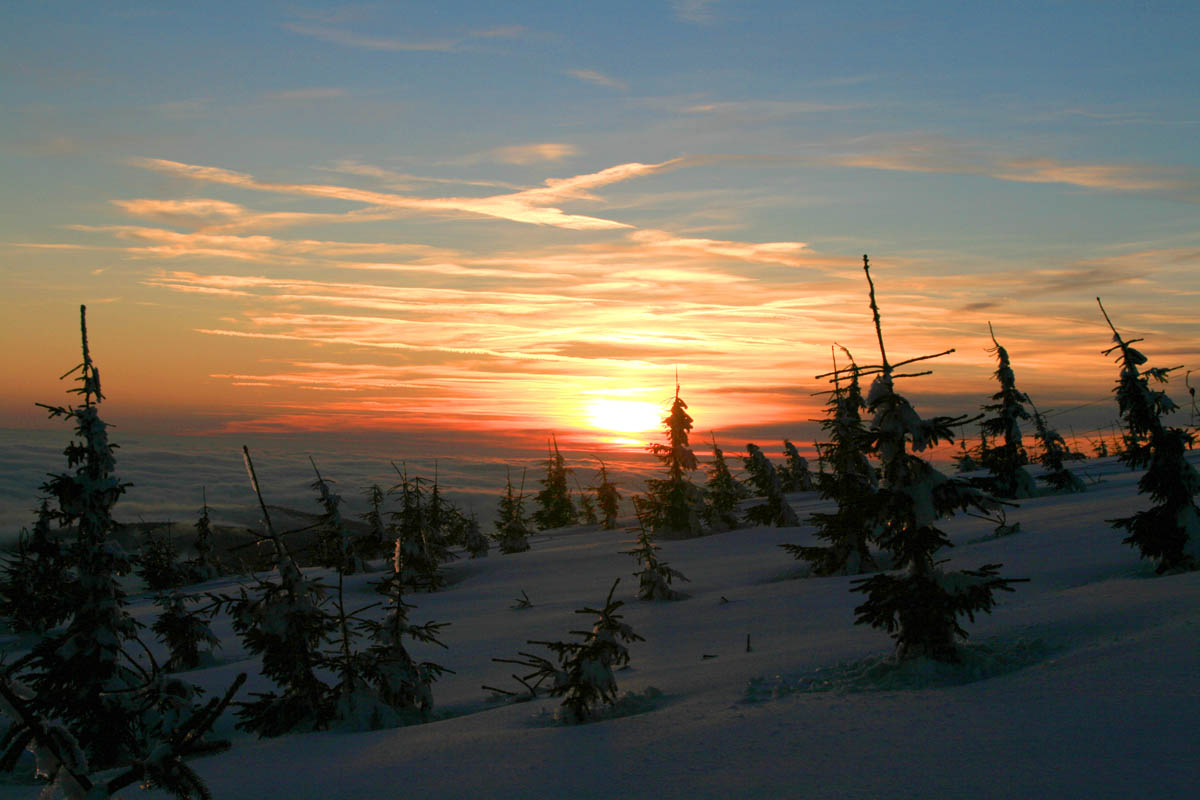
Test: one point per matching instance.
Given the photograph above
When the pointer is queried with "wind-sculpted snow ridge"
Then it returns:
(980, 661)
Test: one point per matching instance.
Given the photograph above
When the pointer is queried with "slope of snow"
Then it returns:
(1088, 684)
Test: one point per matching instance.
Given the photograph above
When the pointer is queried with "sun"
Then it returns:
(624, 416)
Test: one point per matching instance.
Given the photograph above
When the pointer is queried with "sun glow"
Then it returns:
(624, 416)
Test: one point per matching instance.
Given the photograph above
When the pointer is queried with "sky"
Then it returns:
(503, 220)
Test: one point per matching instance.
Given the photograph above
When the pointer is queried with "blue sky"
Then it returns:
(413, 214)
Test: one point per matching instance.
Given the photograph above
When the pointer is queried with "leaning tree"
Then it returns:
(1006, 458)
(920, 603)
(1169, 531)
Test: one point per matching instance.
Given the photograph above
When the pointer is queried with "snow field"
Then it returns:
(1109, 705)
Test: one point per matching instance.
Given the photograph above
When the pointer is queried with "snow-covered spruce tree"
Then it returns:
(583, 676)
(283, 622)
(722, 493)
(64, 765)
(608, 498)
(794, 475)
(965, 459)
(404, 684)
(439, 519)
(1006, 460)
(919, 605)
(774, 510)
(203, 567)
(36, 587)
(851, 483)
(1169, 531)
(587, 506)
(83, 675)
(1053, 458)
(375, 541)
(337, 546)
(185, 631)
(672, 506)
(654, 577)
(554, 507)
(473, 538)
(421, 563)
(157, 562)
(512, 528)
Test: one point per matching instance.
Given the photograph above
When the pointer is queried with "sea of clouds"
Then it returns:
(171, 475)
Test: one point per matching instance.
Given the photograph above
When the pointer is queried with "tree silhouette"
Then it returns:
(1169, 531)
(920, 605)
(672, 505)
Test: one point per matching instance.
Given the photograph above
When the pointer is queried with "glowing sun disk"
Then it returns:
(624, 416)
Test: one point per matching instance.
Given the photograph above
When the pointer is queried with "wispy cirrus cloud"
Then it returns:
(395, 44)
(522, 154)
(698, 12)
(166, 243)
(220, 216)
(536, 206)
(537, 318)
(763, 109)
(407, 180)
(940, 155)
(792, 254)
(598, 79)
(309, 93)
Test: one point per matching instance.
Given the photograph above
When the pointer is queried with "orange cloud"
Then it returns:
(535, 206)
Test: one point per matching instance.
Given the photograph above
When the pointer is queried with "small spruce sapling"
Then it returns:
(512, 528)
(420, 547)
(655, 576)
(203, 567)
(440, 523)
(1053, 458)
(672, 506)
(587, 506)
(157, 562)
(36, 588)
(965, 460)
(774, 510)
(722, 493)
(608, 498)
(185, 631)
(1007, 459)
(1169, 531)
(851, 483)
(473, 538)
(920, 605)
(337, 545)
(554, 506)
(794, 475)
(376, 540)
(402, 682)
(583, 676)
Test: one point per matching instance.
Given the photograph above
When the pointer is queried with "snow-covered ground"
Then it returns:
(1081, 683)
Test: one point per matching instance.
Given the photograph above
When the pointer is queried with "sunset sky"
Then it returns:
(524, 217)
